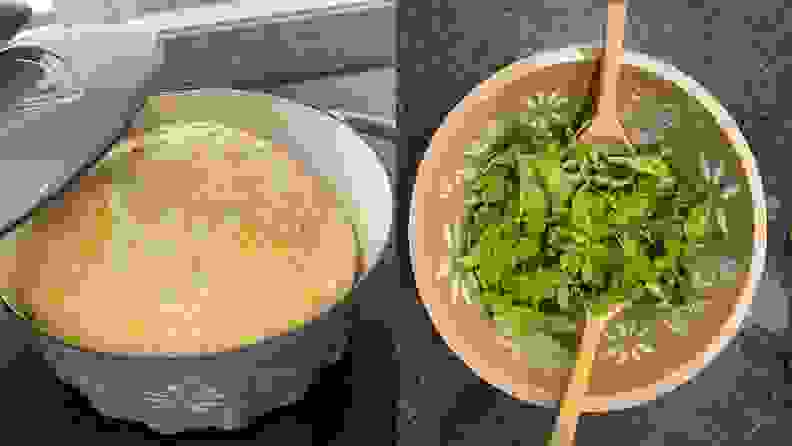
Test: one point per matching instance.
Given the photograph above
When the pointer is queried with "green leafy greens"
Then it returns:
(555, 231)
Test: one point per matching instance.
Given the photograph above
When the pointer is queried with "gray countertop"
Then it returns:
(308, 39)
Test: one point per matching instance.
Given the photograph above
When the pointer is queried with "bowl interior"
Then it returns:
(473, 338)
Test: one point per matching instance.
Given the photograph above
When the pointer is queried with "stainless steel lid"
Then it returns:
(67, 94)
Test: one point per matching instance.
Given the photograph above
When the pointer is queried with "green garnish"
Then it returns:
(295, 324)
(200, 279)
(556, 231)
(168, 296)
(161, 248)
(248, 340)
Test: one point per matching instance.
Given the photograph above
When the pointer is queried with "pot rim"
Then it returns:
(108, 151)
(577, 53)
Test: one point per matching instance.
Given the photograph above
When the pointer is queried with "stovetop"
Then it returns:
(343, 405)
(354, 399)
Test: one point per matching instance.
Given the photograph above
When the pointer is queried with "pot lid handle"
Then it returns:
(14, 14)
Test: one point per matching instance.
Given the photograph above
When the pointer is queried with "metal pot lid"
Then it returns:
(67, 94)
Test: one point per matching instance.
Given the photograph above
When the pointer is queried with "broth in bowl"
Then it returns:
(189, 238)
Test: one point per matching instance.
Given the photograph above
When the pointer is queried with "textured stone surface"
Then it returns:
(735, 51)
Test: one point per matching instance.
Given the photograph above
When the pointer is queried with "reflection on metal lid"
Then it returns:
(34, 78)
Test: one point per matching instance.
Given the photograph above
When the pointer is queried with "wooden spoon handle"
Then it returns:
(612, 60)
(566, 422)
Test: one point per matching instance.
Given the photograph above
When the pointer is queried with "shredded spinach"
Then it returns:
(555, 231)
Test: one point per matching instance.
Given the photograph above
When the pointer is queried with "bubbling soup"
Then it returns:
(190, 238)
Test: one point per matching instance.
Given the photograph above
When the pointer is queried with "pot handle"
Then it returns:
(376, 126)
(14, 14)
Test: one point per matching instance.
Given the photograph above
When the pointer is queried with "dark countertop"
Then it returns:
(735, 50)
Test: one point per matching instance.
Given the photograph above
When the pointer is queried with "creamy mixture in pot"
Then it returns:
(194, 238)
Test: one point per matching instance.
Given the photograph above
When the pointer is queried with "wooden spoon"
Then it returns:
(605, 127)
(566, 422)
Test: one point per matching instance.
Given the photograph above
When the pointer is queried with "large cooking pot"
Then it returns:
(94, 104)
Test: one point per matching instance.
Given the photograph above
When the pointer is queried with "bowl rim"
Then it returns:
(106, 153)
(581, 53)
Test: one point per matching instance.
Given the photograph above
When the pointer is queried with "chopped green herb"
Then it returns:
(555, 231)
(164, 248)
(168, 296)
